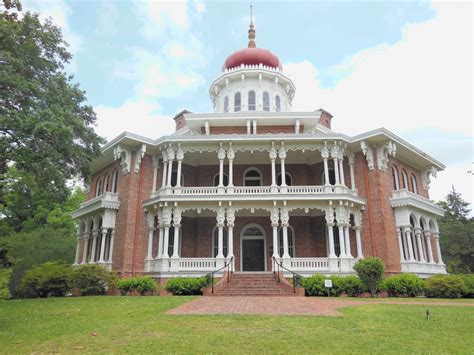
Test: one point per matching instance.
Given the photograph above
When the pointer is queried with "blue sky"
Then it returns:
(404, 65)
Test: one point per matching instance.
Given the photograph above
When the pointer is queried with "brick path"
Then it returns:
(285, 305)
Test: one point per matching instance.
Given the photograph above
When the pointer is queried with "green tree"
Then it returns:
(456, 234)
(46, 128)
(370, 270)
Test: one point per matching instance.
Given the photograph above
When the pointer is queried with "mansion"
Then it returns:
(253, 183)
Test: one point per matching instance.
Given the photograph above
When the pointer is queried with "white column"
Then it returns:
(336, 171)
(341, 240)
(348, 241)
(400, 245)
(170, 172)
(420, 248)
(350, 158)
(230, 157)
(102, 246)
(341, 171)
(220, 241)
(111, 249)
(282, 156)
(150, 243)
(407, 231)
(160, 243)
(254, 126)
(230, 232)
(165, 170)
(360, 255)
(415, 248)
(326, 172)
(430, 249)
(165, 241)
(438, 249)
(273, 173)
(178, 174)
(221, 156)
(94, 245)
(84, 252)
(286, 253)
(78, 250)
(177, 228)
(155, 172)
(249, 131)
(332, 252)
(276, 251)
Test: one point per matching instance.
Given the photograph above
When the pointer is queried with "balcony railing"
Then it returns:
(254, 190)
(403, 197)
(106, 200)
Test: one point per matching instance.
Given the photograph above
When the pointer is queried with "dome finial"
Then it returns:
(251, 31)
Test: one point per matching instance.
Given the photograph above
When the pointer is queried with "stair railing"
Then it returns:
(230, 268)
(296, 277)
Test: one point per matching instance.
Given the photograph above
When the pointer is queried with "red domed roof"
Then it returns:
(252, 56)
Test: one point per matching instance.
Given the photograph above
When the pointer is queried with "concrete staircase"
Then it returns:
(254, 284)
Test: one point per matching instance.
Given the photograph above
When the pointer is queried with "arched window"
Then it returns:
(251, 100)
(226, 104)
(107, 183)
(97, 187)
(224, 178)
(288, 179)
(114, 180)
(414, 188)
(277, 103)
(404, 179)
(253, 178)
(237, 103)
(215, 242)
(396, 183)
(266, 101)
(332, 177)
(291, 241)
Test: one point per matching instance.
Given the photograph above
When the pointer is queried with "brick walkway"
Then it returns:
(285, 305)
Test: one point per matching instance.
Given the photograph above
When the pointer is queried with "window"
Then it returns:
(114, 180)
(396, 183)
(277, 103)
(291, 242)
(266, 101)
(253, 178)
(332, 177)
(288, 179)
(215, 243)
(226, 104)
(404, 179)
(413, 184)
(251, 100)
(225, 180)
(98, 186)
(237, 103)
(107, 183)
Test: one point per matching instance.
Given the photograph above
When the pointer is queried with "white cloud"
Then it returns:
(60, 12)
(423, 81)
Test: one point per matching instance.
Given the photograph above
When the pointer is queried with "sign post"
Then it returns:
(328, 285)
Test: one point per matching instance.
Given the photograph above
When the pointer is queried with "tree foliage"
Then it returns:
(370, 270)
(457, 234)
(46, 129)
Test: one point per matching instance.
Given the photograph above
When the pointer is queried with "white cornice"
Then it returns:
(403, 197)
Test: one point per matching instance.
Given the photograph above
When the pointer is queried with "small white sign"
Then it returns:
(328, 283)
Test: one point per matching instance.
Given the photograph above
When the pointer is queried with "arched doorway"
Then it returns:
(252, 245)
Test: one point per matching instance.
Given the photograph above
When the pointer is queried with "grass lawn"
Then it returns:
(138, 325)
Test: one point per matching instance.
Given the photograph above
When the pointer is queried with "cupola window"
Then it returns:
(252, 100)
(237, 102)
(266, 101)
(277, 103)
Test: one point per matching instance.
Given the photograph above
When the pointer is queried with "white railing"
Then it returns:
(105, 197)
(206, 190)
(245, 190)
(306, 189)
(197, 264)
(307, 264)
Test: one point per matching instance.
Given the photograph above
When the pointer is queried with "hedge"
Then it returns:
(141, 284)
(48, 279)
(403, 285)
(93, 279)
(186, 285)
(445, 286)
(351, 285)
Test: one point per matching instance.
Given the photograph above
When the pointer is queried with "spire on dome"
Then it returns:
(251, 31)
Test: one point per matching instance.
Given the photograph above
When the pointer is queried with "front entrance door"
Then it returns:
(253, 255)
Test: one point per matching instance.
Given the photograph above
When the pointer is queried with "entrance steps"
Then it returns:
(254, 284)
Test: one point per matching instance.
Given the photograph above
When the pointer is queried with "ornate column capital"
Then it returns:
(220, 216)
(324, 152)
(350, 158)
(221, 153)
(170, 153)
(180, 154)
(284, 216)
(230, 153)
(282, 153)
(177, 216)
(230, 216)
(272, 153)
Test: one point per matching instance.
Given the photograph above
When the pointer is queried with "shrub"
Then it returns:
(351, 285)
(186, 285)
(403, 285)
(468, 280)
(125, 285)
(314, 285)
(370, 271)
(144, 284)
(445, 286)
(93, 279)
(48, 279)
(4, 281)
(141, 284)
